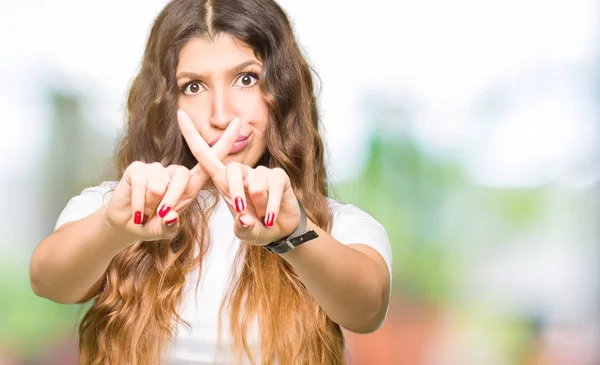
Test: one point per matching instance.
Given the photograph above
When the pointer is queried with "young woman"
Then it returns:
(219, 243)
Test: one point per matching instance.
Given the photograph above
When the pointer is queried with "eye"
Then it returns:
(247, 79)
(192, 88)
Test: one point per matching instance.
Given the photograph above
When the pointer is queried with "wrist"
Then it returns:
(300, 235)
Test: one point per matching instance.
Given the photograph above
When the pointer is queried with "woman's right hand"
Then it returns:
(147, 199)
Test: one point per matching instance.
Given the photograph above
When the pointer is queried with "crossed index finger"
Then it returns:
(206, 156)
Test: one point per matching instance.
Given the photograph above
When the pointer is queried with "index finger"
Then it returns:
(200, 149)
(227, 139)
(223, 145)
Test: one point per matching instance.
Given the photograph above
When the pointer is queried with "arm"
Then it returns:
(350, 282)
(68, 265)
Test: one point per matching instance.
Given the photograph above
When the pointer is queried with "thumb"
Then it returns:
(244, 227)
(170, 225)
(249, 229)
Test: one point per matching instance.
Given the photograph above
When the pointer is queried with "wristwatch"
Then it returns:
(298, 237)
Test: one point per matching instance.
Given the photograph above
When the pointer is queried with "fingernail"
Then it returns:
(164, 210)
(244, 223)
(270, 219)
(144, 219)
(137, 218)
(239, 205)
(169, 223)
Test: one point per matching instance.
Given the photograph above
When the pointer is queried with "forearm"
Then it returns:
(348, 284)
(68, 262)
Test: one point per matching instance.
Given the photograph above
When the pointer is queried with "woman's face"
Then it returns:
(218, 81)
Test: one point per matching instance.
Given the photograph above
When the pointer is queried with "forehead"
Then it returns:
(220, 54)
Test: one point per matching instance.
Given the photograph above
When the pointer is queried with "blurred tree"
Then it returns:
(430, 209)
(65, 153)
(78, 156)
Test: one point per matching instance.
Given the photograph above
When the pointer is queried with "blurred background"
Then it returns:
(469, 129)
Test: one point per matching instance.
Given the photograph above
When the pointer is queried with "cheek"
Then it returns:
(255, 109)
(195, 109)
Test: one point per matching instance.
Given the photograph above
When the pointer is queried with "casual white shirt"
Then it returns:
(198, 345)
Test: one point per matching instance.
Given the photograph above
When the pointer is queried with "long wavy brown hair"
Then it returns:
(135, 313)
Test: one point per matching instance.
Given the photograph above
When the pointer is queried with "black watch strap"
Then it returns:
(298, 237)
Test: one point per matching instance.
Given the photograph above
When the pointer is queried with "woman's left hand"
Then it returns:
(261, 200)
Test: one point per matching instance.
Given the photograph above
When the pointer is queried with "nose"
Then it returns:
(221, 109)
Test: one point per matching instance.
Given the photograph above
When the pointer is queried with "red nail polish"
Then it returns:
(169, 223)
(137, 218)
(239, 205)
(243, 223)
(164, 210)
(270, 219)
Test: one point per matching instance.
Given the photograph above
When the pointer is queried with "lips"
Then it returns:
(238, 146)
(239, 139)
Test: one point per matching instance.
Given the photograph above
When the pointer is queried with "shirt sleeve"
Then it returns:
(88, 202)
(353, 225)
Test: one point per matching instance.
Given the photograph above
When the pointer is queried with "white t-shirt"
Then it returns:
(198, 345)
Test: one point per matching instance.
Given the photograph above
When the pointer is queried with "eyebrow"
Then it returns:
(232, 71)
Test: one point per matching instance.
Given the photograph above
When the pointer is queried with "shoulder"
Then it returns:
(351, 224)
(103, 189)
(349, 212)
(98, 195)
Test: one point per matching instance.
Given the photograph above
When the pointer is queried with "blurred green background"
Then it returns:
(468, 129)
